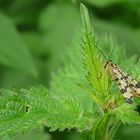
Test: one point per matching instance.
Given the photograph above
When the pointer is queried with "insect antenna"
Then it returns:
(101, 52)
(109, 55)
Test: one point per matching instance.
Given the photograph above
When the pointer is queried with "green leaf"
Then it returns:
(36, 135)
(13, 52)
(85, 19)
(70, 79)
(130, 37)
(15, 113)
(126, 114)
(93, 64)
(27, 109)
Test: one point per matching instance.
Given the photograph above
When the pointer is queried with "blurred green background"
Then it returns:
(34, 33)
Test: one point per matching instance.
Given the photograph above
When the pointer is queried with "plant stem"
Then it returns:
(112, 129)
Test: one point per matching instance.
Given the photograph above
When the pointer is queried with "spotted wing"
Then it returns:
(123, 83)
(135, 86)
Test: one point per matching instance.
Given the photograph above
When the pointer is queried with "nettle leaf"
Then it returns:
(126, 114)
(60, 112)
(111, 48)
(13, 52)
(17, 114)
(97, 75)
(36, 135)
(27, 109)
(123, 34)
(70, 79)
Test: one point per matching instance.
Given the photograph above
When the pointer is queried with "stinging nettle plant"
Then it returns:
(81, 95)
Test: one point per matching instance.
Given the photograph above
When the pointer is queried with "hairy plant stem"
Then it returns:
(112, 128)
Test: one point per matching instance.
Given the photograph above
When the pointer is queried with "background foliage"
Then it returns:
(40, 42)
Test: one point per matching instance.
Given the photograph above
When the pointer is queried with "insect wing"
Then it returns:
(135, 86)
(121, 79)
